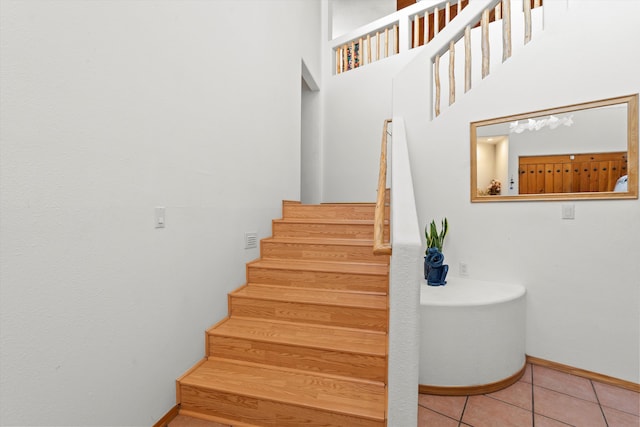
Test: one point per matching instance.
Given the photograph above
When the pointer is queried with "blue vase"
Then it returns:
(435, 271)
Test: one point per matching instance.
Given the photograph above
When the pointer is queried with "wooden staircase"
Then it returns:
(305, 340)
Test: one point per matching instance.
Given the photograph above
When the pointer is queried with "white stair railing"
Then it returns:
(405, 29)
(456, 30)
(495, 19)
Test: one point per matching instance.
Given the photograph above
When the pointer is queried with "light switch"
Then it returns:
(160, 217)
(569, 211)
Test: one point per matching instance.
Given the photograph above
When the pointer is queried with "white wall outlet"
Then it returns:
(160, 217)
(569, 211)
(463, 269)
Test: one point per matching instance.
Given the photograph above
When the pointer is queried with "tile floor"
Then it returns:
(542, 398)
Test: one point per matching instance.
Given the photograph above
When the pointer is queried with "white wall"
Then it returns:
(311, 144)
(347, 15)
(583, 300)
(110, 108)
(357, 103)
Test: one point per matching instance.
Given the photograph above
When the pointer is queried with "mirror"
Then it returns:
(582, 151)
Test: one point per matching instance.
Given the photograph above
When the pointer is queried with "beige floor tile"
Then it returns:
(618, 398)
(564, 383)
(617, 418)
(483, 411)
(429, 418)
(567, 409)
(450, 406)
(518, 394)
(542, 421)
(526, 377)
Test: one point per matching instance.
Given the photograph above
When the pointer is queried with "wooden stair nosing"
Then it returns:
(372, 269)
(289, 386)
(303, 288)
(319, 241)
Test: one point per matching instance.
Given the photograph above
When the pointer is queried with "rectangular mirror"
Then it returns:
(582, 151)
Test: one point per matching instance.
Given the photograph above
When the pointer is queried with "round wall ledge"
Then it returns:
(472, 336)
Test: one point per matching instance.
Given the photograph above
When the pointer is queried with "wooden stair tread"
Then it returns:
(325, 221)
(304, 335)
(328, 204)
(323, 266)
(313, 296)
(321, 241)
(341, 395)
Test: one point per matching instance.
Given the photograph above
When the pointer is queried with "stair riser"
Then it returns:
(326, 231)
(317, 279)
(312, 252)
(315, 360)
(348, 317)
(261, 412)
(352, 212)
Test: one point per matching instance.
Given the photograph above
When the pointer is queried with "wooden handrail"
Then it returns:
(379, 246)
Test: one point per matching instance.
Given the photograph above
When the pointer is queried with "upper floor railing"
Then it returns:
(419, 24)
(396, 33)
(499, 10)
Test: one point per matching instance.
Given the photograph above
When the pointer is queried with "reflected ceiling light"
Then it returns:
(552, 123)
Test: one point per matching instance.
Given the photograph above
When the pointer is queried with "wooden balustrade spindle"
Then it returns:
(396, 44)
(498, 11)
(360, 52)
(352, 63)
(485, 43)
(337, 60)
(368, 48)
(436, 21)
(436, 73)
(506, 30)
(345, 58)
(527, 21)
(377, 45)
(426, 27)
(537, 3)
(386, 42)
(416, 31)
(447, 14)
(467, 58)
(452, 76)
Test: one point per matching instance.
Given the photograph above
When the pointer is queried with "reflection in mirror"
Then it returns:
(584, 151)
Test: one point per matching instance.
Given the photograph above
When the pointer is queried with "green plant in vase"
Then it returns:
(435, 271)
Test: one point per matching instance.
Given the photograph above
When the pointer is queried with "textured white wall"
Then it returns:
(108, 109)
(583, 300)
(404, 282)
